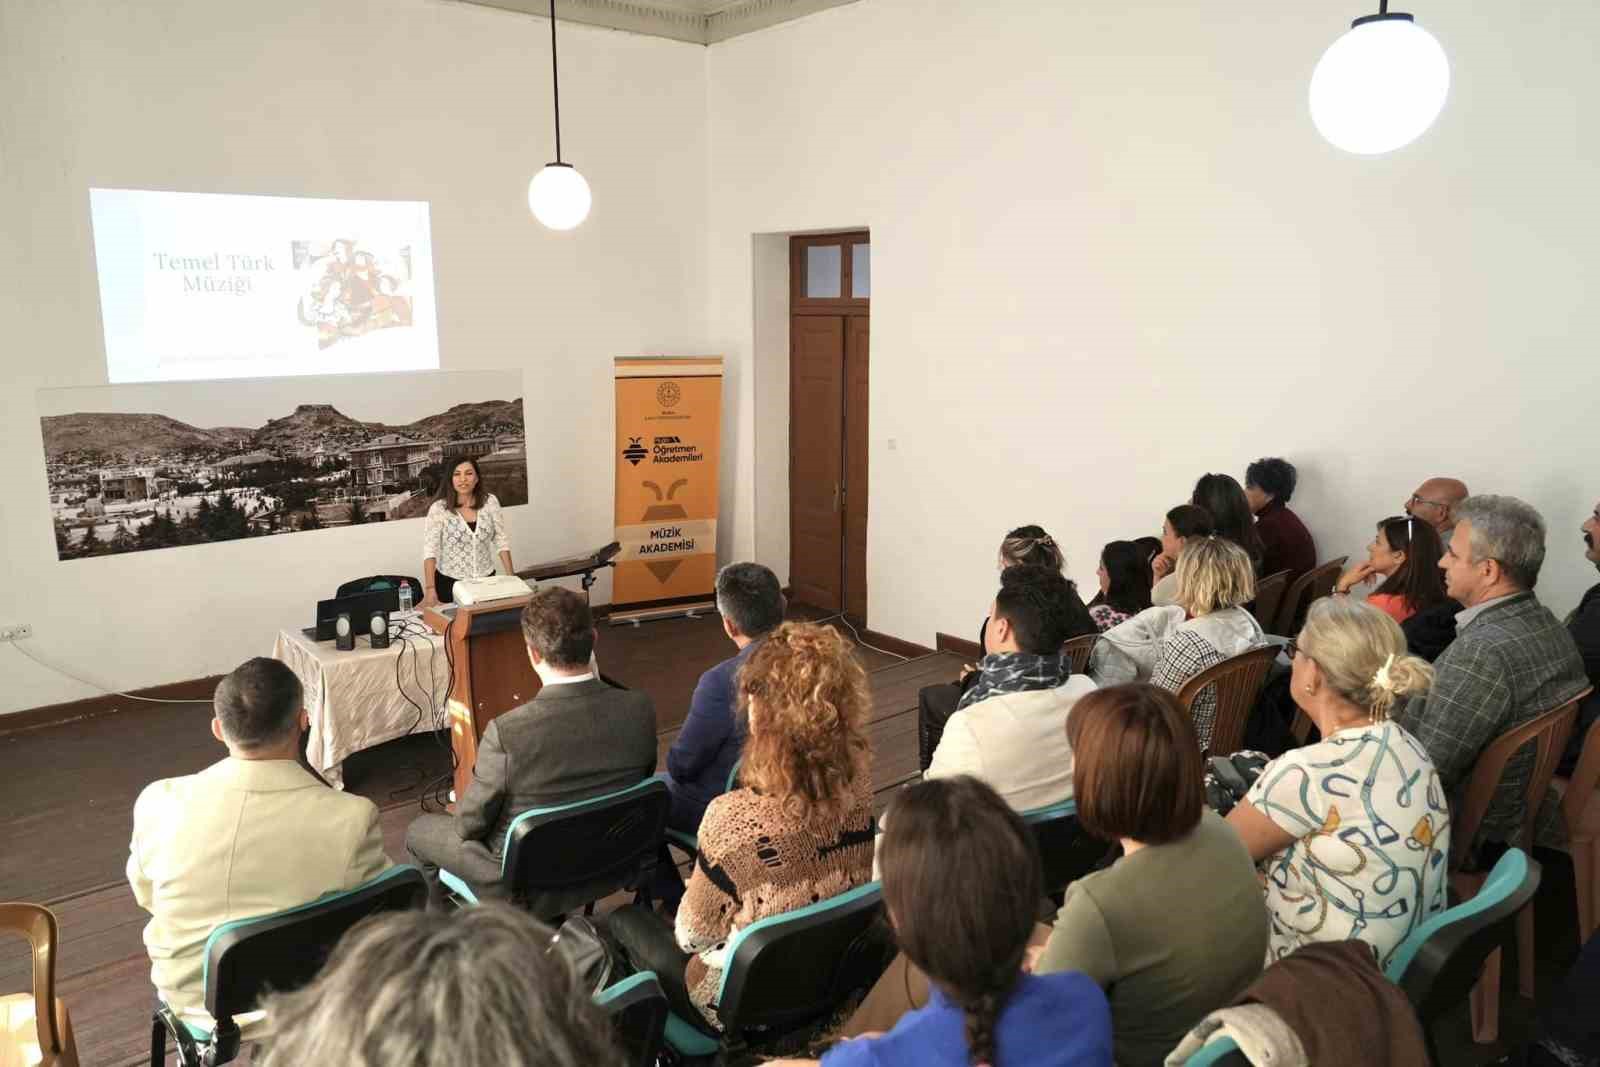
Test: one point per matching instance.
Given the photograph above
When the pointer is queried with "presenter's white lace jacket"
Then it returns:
(458, 550)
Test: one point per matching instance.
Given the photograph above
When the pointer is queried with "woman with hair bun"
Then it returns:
(1352, 833)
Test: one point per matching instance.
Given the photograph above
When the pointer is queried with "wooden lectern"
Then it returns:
(489, 672)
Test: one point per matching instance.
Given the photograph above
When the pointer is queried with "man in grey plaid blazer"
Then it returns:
(1511, 660)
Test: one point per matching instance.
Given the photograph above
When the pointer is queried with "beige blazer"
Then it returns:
(241, 838)
(1015, 742)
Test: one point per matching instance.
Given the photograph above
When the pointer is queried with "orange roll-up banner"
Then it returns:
(669, 419)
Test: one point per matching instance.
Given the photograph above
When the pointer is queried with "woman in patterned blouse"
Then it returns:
(798, 829)
(465, 531)
(1352, 833)
(1125, 581)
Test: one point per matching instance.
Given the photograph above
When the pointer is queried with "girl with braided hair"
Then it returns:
(962, 883)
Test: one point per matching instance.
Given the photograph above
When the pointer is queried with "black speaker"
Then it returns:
(344, 634)
(378, 627)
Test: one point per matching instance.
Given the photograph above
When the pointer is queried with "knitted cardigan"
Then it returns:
(756, 861)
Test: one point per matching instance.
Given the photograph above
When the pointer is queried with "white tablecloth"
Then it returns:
(353, 699)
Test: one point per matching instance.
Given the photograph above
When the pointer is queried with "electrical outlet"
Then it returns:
(20, 632)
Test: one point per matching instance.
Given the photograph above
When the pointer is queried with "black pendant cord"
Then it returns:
(555, 77)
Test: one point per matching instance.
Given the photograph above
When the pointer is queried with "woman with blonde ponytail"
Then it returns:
(1352, 833)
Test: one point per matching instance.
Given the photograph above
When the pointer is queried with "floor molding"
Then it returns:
(896, 645)
(56, 714)
(959, 645)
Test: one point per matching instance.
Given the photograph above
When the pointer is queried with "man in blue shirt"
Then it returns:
(710, 740)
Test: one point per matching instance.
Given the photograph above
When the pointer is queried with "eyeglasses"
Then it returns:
(1292, 649)
(1415, 499)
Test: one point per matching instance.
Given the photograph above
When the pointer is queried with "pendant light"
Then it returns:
(558, 196)
(1381, 85)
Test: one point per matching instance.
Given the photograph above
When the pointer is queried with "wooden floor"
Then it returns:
(67, 795)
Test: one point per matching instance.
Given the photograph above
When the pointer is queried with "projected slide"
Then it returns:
(205, 285)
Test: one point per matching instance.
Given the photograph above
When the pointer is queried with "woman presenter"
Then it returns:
(465, 530)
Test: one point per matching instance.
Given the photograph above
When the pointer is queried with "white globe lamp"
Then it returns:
(1380, 86)
(559, 197)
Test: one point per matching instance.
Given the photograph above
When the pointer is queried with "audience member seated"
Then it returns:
(1567, 1033)
(1024, 546)
(960, 884)
(252, 834)
(477, 988)
(577, 738)
(1175, 928)
(1353, 832)
(708, 744)
(1405, 554)
(798, 828)
(1584, 626)
(1125, 581)
(1510, 661)
(1225, 502)
(1437, 502)
(1013, 734)
(1215, 581)
(1182, 524)
(1286, 544)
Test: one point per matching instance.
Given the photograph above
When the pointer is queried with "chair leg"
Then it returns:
(1486, 1002)
(1586, 873)
(158, 1043)
(1525, 951)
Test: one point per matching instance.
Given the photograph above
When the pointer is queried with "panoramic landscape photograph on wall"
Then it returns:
(138, 467)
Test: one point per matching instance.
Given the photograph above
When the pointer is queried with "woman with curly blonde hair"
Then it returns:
(797, 828)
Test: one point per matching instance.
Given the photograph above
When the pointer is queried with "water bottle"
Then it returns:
(405, 597)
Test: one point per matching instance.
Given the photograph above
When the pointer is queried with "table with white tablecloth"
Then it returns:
(364, 697)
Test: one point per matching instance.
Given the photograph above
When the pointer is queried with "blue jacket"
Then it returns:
(1052, 1020)
(710, 741)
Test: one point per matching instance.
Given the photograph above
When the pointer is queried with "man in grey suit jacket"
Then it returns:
(1511, 660)
(578, 738)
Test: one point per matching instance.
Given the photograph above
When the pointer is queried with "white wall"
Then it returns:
(404, 99)
(1111, 253)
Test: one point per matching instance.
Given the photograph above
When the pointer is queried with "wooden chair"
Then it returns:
(1269, 596)
(1238, 680)
(1580, 809)
(37, 1016)
(1548, 732)
(1077, 650)
(1316, 582)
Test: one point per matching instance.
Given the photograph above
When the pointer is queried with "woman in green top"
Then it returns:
(1176, 928)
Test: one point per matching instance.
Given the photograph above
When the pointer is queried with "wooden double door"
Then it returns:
(828, 376)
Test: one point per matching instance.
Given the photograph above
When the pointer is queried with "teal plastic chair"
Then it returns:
(788, 974)
(690, 843)
(638, 1009)
(1440, 962)
(1218, 1052)
(1066, 851)
(568, 855)
(280, 951)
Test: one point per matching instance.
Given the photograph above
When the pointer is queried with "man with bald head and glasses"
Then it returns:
(1435, 503)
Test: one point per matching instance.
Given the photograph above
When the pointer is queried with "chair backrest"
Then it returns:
(1269, 596)
(1067, 852)
(1440, 962)
(591, 848)
(788, 971)
(284, 950)
(382, 583)
(1314, 583)
(1586, 775)
(1238, 680)
(1218, 1052)
(1547, 731)
(638, 1009)
(37, 924)
(1077, 650)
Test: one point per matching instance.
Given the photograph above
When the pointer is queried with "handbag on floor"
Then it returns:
(580, 944)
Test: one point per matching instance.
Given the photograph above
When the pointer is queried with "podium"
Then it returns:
(489, 672)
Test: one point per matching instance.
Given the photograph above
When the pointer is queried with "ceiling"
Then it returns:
(698, 21)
